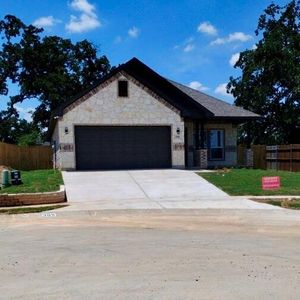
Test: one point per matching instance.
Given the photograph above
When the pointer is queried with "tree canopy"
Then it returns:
(270, 80)
(48, 68)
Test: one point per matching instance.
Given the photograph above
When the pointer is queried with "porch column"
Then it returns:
(200, 152)
(197, 139)
(202, 135)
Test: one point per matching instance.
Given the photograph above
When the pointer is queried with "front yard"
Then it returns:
(36, 181)
(239, 182)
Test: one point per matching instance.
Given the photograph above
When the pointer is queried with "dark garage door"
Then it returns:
(122, 147)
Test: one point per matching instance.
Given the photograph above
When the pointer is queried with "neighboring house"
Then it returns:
(135, 118)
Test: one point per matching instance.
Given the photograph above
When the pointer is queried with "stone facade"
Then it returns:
(104, 107)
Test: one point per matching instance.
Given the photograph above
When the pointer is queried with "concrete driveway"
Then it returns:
(146, 189)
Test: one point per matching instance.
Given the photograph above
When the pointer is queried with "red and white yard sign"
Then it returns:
(271, 183)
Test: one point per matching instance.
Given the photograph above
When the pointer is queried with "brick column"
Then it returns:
(249, 158)
(201, 158)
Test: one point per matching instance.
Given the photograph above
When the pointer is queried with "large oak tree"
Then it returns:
(48, 68)
(270, 80)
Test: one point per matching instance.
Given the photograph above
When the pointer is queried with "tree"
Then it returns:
(270, 80)
(48, 68)
(12, 128)
(30, 139)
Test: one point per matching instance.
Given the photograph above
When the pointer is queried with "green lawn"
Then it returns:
(291, 204)
(238, 182)
(36, 181)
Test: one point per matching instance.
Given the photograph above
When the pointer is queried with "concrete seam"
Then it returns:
(143, 190)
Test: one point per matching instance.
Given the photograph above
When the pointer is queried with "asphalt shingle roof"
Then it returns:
(218, 107)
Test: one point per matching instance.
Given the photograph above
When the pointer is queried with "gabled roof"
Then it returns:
(191, 103)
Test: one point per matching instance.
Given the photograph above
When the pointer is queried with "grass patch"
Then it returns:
(28, 210)
(241, 182)
(36, 181)
(291, 204)
(294, 205)
(273, 202)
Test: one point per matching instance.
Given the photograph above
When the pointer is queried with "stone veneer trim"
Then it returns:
(110, 80)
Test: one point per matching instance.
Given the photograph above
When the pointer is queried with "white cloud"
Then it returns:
(87, 20)
(207, 28)
(221, 89)
(83, 23)
(218, 41)
(189, 48)
(83, 6)
(234, 58)
(134, 32)
(239, 36)
(232, 37)
(196, 85)
(25, 113)
(48, 21)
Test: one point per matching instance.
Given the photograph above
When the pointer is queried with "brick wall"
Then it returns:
(32, 198)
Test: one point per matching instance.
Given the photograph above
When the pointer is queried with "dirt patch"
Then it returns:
(290, 203)
(274, 223)
(2, 167)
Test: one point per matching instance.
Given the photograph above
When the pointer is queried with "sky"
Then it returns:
(194, 42)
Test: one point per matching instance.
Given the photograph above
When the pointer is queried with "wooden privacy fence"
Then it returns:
(259, 157)
(283, 157)
(252, 157)
(26, 157)
(280, 157)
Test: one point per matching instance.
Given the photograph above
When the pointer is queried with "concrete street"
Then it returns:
(151, 254)
(147, 189)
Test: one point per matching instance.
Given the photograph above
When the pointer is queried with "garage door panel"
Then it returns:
(122, 147)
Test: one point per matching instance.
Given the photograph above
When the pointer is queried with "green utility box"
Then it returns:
(5, 178)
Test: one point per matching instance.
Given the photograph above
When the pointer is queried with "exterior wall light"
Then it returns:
(66, 130)
(178, 131)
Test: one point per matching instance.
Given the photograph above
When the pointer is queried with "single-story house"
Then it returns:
(136, 119)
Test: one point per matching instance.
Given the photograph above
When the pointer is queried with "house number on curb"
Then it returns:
(48, 215)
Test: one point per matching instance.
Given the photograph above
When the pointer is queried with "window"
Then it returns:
(216, 139)
(213, 140)
(123, 88)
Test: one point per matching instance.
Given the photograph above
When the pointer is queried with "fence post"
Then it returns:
(291, 158)
(276, 158)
